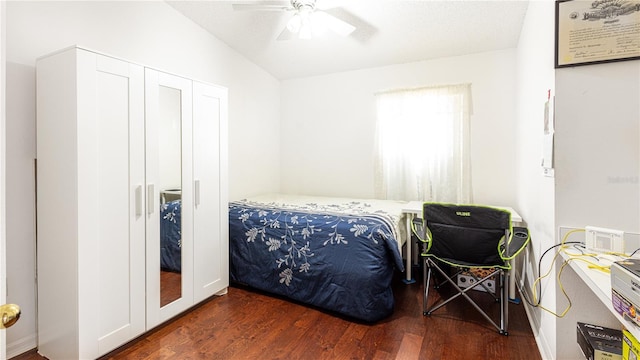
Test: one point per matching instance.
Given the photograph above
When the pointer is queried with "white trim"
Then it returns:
(21, 346)
(79, 47)
(3, 228)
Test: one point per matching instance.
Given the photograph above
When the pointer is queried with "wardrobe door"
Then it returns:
(169, 191)
(111, 224)
(211, 224)
(91, 253)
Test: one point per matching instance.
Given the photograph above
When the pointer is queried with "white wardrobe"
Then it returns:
(117, 145)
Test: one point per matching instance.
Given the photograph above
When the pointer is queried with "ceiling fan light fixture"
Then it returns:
(306, 32)
(306, 22)
(303, 24)
(294, 24)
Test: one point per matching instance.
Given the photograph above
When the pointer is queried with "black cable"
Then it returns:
(540, 274)
(581, 247)
(577, 244)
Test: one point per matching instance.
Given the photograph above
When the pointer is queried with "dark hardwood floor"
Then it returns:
(245, 324)
(170, 287)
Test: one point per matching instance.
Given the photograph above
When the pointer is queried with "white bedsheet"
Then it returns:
(348, 206)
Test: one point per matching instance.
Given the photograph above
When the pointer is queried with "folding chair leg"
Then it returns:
(426, 279)
(502, 282)
(504, 298)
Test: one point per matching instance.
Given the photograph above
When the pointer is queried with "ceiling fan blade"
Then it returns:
(285, 34)
(364, 30)
(334, 24)
(261, 7)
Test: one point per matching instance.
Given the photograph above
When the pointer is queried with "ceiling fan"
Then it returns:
(308, 20)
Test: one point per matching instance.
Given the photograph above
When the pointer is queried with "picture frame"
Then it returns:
(596, 31)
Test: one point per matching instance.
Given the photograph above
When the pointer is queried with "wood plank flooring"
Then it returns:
(170, 287)
(245, 324)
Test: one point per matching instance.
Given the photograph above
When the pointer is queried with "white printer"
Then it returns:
(625, 288)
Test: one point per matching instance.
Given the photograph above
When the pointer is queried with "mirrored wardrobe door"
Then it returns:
(169, 196)
(170, 193)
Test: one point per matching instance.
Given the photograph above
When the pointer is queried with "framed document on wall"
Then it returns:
(596, 31)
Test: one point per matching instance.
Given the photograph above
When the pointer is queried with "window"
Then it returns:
(422, 144)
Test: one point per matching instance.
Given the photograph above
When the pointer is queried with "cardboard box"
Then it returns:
(599, 343)
(467, 278)
(630, 346)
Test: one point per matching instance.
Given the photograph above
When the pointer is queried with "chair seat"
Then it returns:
(464, 264)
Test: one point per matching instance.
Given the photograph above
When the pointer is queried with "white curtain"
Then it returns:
(422, 144)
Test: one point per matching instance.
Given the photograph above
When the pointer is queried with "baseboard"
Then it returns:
(543, 344)
(21, 346)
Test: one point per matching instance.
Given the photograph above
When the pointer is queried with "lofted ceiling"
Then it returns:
(387, 32)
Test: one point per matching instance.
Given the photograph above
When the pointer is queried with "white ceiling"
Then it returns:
(388, 32)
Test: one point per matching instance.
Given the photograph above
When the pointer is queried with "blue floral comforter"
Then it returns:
(171, 236)
(342, 261)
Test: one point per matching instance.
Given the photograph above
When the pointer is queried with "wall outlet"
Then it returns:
(602, 239)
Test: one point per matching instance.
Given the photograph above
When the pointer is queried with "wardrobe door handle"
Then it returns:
(150, 199)
(196, 191)
(138, 194)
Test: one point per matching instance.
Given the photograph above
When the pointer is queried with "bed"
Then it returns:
(333, 253)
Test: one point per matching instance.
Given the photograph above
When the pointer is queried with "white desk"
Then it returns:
(170, 195)
(413, 209)
(410, 211)
(600, 283)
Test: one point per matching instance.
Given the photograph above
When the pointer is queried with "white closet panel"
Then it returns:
(211, 230)
(118, 114)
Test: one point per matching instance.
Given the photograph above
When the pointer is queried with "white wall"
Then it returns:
(597, 157)
(598, 153)
(148, 32)
(598, 169)
(535, 192)
(20, 183)
(328, 124)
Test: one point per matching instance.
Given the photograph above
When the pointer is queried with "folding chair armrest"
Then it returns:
(519, 241)
(418, 229)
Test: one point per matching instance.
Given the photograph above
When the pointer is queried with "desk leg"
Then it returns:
(409, 244)
(512, 284)
(512, 277)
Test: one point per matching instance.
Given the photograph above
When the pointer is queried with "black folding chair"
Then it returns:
(458, 239)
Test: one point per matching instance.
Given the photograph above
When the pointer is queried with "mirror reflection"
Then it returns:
(170, 185)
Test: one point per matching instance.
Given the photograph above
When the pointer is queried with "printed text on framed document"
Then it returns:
(596, 31)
